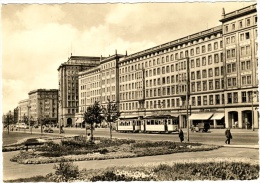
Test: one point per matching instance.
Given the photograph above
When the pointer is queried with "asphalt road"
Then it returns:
(214, 136)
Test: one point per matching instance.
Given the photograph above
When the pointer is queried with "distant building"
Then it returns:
(16, 115)
(23, 109)
(69, 87)
(43, 106)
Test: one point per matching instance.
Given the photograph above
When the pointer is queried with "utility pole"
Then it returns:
(187, 98)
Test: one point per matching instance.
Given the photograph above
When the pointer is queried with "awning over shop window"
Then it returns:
(78, 122)
(200, 116)
(217, 116)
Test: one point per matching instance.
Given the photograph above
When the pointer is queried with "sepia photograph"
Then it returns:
(129, 91)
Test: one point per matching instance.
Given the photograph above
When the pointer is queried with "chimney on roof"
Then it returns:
(101, 58)
(116, 52)
(223, 12)
(126, 53)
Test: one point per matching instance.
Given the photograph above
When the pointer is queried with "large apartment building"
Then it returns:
(212, 73)
(69, 87)
(43, 105)
(23, 109)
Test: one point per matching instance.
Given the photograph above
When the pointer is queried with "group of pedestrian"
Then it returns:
(227, 134)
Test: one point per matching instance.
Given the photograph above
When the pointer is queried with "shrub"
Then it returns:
(64, 172)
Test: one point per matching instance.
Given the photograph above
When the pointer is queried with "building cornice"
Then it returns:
(238, 13)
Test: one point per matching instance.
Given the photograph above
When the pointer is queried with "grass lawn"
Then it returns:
(13, 137)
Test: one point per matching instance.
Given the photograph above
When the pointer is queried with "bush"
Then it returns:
(64, 172)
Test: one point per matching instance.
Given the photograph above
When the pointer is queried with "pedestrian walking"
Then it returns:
(181, 135)
(228, 136)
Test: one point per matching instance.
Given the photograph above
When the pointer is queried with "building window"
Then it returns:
(193, 101)
(248, 22)
(193, 87)
(216, 45)
(198, 86)
(192, 63)
(192, 75)
(211, 100)
(173, 103)
(228, 40)
(198, 75)
(205, 100)
(210, 85)
(233, 27)
(210, 72)
(217, 84)
(243, 99)
(197, 62)
(226, 28)
(216, 58)
(209, 47)
(205, 86)
(199, 100)
(204, 74)
(197, 50)
(229, 98)
(203, 60)
(240, 24)
(216, 71)
(233, 39)
(217, 99)
(209, 59)
(192, 52)
(235, 97)
(203, 49)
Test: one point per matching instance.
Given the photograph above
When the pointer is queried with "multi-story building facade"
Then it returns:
(99, 84)
(69, 87)
(43, 105)
(241, 63)
(212, 73)
(23, 109)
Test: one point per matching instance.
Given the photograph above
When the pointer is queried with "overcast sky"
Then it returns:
(36, 39)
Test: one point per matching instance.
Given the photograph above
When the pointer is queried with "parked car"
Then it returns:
(22, 126)
(201, 127)
(48, 130)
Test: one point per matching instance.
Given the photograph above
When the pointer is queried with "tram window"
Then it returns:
(156, 122)
(169, 122)
(148, 122)
(152, 122)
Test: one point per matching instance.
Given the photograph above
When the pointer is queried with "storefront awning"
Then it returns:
(200, 116)
(217, 116)
(78, 122)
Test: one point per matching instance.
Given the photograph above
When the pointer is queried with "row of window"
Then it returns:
(216, 99)
(181, 55)
(240, 24)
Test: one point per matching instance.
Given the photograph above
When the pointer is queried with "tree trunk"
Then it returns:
(91, 132)
(110, 130)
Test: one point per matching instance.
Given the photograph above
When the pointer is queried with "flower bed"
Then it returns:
(72, 150)
(199, 169)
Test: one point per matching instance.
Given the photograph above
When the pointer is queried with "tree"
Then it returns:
(92, 116)
(111, 114)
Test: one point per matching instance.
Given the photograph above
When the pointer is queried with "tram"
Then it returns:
(149, 124)
(161, 124)
(129, 125)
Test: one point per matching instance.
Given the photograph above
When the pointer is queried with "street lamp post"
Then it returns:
(254, 94)
(8, 121)
(29, 107)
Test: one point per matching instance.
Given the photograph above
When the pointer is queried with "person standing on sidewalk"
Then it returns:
(181, 135)
(228, 136)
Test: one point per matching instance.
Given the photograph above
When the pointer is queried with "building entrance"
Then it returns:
(247, 119)
(69, 122)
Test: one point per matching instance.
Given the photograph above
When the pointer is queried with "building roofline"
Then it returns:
(24, 100)
(43, 90)
(183, 40)
(238, 13)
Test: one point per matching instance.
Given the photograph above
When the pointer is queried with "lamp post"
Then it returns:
(29, 107)
(254, 94)
(8, 121)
